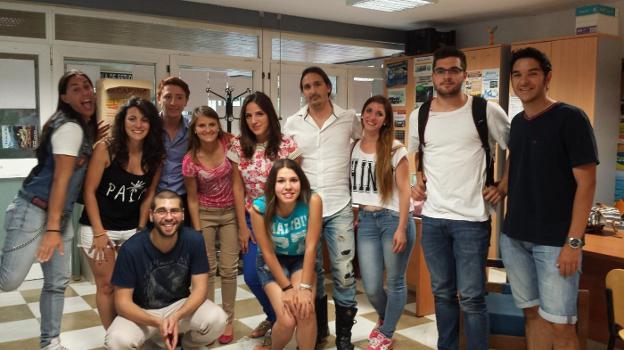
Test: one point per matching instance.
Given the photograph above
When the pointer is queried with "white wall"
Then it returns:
(523, 28)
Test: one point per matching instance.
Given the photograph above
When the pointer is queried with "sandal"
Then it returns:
(261, 329)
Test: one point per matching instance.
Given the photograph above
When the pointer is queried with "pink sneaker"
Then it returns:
(378, 341)
(377, 325)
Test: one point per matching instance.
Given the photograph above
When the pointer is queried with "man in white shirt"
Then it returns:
(323, 132)
(452, 181)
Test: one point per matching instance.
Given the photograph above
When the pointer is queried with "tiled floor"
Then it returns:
(81, 329)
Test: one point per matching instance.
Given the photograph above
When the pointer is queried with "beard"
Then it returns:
(456, 90)
(162, 234)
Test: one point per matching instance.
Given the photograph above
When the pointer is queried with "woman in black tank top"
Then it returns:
(121, 180)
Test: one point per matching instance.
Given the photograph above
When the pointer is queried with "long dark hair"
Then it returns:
(194, 142)
(248, 139)
(62, 108)
(271, 200)
(383, 151)
(153, 147)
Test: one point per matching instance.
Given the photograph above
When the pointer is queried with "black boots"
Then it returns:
(344, 322)
(322, 328)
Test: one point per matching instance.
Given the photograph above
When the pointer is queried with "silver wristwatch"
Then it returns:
(575, 243)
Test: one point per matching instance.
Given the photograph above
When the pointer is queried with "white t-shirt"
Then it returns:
(454, 160)
(67, 139)
(364, 188)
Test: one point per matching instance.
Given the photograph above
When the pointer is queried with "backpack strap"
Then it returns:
(423, 117)
(479, 114)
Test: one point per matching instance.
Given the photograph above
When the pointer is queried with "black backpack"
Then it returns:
(479, 115)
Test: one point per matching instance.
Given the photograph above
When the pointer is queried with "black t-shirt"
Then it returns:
(160, 279)
(119, 197)
(541, 183)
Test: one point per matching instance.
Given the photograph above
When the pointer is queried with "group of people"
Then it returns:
(163, 189)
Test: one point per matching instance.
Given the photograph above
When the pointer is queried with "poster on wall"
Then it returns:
(490, 84)
(19, 114)
(397, 74)
(423, 70)
(473, 85)
(396, 97)
(399, 119)
(515, 106)
(423, 66)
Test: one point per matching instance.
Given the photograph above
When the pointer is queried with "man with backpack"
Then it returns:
(454, 136)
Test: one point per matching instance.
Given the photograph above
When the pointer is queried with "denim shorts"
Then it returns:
(289, 263)
(535, 280)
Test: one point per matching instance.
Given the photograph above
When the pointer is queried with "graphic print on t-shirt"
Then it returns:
(291, 232)
(167, 282)
(130, 194)
(363, 176)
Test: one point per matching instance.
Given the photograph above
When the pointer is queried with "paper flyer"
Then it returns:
(397, 74)
(474, 83)
(490, 84)
(399, 119)
(423, 66)
(396, 97)
(515, 106)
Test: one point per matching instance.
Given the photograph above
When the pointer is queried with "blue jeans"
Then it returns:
(535, 280)
(338, 235)
(250, 273)
(374, 245)
(24, 225)
(456, 253)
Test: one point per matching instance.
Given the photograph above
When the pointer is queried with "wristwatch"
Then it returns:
(575, 243)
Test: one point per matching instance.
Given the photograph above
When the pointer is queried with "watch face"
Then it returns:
(575, 242)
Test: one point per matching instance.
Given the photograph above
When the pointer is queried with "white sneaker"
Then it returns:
(55, 344)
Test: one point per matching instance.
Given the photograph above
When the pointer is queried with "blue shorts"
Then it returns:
(535, 280)
(290, 264)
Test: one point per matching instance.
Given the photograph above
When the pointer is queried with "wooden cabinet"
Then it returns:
(586, 73)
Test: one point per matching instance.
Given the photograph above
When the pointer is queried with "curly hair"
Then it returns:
(153, 147)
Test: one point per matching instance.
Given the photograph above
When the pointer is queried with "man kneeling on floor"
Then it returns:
(152, 276)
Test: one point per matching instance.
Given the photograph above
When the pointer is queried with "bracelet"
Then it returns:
(305, 286)
(99, 234)
(49, 230)
(290, 286)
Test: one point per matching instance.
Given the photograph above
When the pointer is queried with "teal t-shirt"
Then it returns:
(288, 233)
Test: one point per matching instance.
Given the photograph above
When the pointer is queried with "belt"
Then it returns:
(36, 201)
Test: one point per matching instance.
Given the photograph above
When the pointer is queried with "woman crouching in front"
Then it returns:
(287, 222)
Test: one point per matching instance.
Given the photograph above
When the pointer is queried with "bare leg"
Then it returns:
(284, 326)
(306, 328)
(104, 299)
(566, 338)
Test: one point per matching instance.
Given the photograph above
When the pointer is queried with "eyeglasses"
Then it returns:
(172, 211)
(451, 71)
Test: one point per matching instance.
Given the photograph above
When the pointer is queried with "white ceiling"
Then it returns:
(445, 12)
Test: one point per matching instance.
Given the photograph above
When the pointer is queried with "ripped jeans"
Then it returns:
(339, 237)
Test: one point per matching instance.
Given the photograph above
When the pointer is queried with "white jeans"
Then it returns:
(200, 329)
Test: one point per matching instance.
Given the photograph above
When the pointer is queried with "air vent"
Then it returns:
(22, 24)
(116, 32)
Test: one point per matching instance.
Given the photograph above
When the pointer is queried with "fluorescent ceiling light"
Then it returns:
(389, 5)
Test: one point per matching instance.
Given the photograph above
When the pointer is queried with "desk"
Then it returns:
(601, 254)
